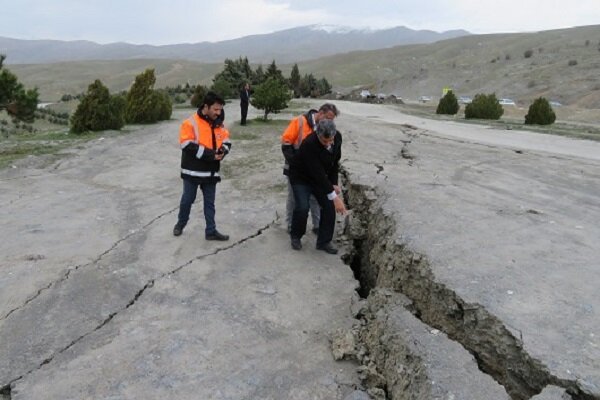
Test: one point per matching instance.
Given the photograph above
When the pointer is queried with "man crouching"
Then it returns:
(314, 170)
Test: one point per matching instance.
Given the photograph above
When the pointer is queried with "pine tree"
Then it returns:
(144, 104)
(259, 76)
(540, 113)
(484, 107)
(98, 110)
(274, 72)
(295, 79)
(271, 96)
(18, 102)
(448, 104)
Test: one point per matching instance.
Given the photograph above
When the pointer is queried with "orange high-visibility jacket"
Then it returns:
(200, 139)
(298, 129)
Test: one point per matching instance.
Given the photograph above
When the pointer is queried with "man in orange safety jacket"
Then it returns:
(204, 143)
(299, 129)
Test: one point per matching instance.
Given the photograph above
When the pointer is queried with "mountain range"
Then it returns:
(286, 46)
(560, 65)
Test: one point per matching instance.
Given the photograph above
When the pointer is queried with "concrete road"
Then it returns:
(492, 235)
(98, 300)
(477, 247)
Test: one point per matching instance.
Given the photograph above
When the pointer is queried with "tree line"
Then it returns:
(484, 106)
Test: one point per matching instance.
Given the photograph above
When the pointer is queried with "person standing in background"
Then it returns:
(244, 101)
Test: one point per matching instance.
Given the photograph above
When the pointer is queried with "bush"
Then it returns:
(528, 53)
(484, 107)
(98, 110)
(572, 63)
(448, 104)
(144, 105)
(540, 113)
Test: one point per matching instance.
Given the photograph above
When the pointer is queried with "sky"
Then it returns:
(184, 21)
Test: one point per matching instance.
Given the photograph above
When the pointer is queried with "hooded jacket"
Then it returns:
(317, 166)
(200, 138)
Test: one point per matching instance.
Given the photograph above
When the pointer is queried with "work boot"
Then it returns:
(178, 230)
(216, 235)
(296, 244)
(327, 248)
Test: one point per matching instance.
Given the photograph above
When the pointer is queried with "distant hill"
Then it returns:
(563, 66)
(287, 46)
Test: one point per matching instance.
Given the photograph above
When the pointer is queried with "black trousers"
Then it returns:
(244, 108)
(327, 223)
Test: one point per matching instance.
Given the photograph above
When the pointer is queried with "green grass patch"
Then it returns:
(15, 147)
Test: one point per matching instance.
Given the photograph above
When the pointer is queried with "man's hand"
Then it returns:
(340, 208)
(337, 189)
(220, 153)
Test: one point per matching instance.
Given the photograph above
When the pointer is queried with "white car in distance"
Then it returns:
(507, 102)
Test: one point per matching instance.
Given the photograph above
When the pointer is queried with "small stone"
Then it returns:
(343, 345)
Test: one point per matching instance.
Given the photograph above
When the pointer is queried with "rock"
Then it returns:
(343, 344)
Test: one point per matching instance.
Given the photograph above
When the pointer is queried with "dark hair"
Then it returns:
(329, 107)
(211, 98)
(326, 128)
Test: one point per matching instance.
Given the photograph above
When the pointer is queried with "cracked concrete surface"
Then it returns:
(476, 249)
(99, 300)
(490, 234)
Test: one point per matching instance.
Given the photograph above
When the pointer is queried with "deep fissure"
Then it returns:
(378, 261)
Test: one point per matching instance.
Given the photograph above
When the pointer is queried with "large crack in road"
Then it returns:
(380, 262)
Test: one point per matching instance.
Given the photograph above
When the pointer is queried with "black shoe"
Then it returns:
(327, 248)
(217, 236)
(177, 230)
(315, 230)
(296, 244)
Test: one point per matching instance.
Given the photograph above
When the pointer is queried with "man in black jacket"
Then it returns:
(244, 101)
(314, 170)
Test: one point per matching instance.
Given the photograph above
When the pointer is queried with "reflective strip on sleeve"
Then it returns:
(200, 152)
(186, 143)
(195, 126)
(227, 145)
(199, 173)
(300, 132)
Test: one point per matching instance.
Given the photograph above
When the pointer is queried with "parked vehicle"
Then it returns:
(381, 96)
(507, 102)
(424, 99)
(365, 94)
(555, 103)
(465, 100)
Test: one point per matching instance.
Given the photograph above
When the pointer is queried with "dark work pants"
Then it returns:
(300, 215)
(188, 197)
(244, 108)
